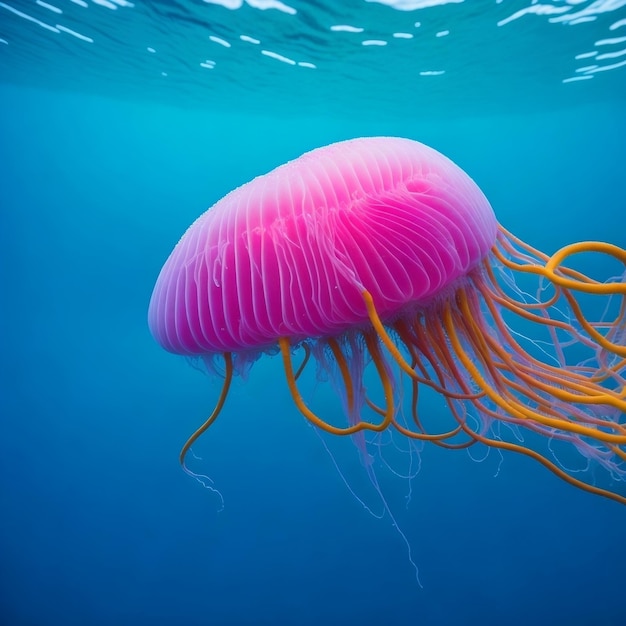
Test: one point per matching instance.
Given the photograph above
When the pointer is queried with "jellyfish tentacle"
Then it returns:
(489, 297)
(513, 447)
(551, 268)
(587, 388)
(372, 405)
(384, 335)
(439, 341)
(465, 321)
(228, 377)
(421, 340)
(560, 376)
(520, 307)
(618, 451)
(420, 436)
(508, 403)
(554, 264)
(586, 393)
(436, 438)
(439, 439)
(348, 383)
(508, 241)
(424, 379)
(568, 386)
(285, 350)
(305, 360)
(371, 341)
(545, 403)
(374, 349)
(598, 337)
(505, 445)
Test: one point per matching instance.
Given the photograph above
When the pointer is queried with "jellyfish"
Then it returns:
(379, 254)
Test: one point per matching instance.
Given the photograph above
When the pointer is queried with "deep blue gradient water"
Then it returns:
(104, 162)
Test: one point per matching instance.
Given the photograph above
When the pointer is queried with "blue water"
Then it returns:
(104, 162)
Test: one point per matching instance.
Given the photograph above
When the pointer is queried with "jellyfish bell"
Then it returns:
(382, 252)
(290, 253)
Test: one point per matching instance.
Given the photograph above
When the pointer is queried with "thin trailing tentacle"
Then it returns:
(228, 377)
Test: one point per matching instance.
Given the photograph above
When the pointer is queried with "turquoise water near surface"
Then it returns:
(104, 162)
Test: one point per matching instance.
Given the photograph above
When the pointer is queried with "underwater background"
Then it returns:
(120, 123)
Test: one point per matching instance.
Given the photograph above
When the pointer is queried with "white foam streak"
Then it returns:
(69, 31)
(413, 5)
(611, 55)
(595, 8)
(106, 4)
(606, 68)
(219, 40)
(29, 18)
(50, 7)
(576, 78)
(271, 4)
(346, 28)
(535, 9)
(233, 5)
(609, 42)
(278, 57)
